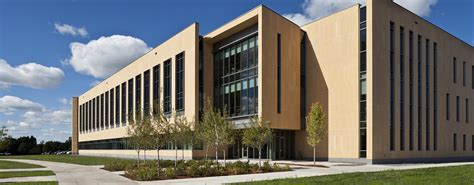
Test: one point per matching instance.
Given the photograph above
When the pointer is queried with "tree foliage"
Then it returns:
(256, 134)
(315, 127)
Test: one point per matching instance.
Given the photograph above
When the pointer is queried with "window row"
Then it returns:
(464, 72)
(111, 109)
(426, 86)
(458, 108)
(236, 77)
(464, 142)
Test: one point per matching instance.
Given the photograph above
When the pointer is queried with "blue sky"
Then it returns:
(49, 49)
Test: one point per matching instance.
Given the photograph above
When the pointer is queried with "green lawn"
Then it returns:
(31, 183)
(17, 165)
(441, 175)
(4, 175)
(73, 159)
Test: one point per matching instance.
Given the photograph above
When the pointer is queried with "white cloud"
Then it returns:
(68, 29)
(315, 9)
(102, 57)
(11, 104)
(65, 101)
(94, 83)
(419, 7)
(48, 117)
(29, 75)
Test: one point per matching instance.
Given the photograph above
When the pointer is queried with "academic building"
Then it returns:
(395, 87)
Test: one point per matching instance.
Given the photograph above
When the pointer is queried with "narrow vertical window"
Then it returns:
(464, 142)
(124, 103)
(80, 119)
(362, 84)
(457, 108)
(156, 89)
(146, 93)
(472, 74)
(179, 86)
(167, 87)
(454, 70)
(117, 106)
(467, 110)
(130, 100)
(402, 89)
(392, 86)
(112, 108)
(106, 109)
(410, 84)
(278, 73)
(464, 74)
(455, 142)
(447, 106)
(138, 92)
(97, 113)
(435, 95)
(102, 111)
(420, 96)
(303, 82)
(472, 142)
(93, 115)
(428, 105)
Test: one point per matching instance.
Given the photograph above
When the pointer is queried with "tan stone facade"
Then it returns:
(298, 66)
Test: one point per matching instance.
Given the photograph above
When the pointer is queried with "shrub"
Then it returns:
(116, 165)
(266, 167)
(170, 173)
(238, 167)
(144, 172)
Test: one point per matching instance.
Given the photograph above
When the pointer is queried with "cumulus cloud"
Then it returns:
(71, 30)
(29, 75)
(315, 9)
(48, 117)
(94, 83)
(11, 104)
(102, 57)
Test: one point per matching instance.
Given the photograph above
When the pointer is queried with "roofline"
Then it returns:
(326, 16)
(465, 42)
(194, 23)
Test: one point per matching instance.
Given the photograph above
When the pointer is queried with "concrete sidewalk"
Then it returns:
(29, 179)
(71, 174)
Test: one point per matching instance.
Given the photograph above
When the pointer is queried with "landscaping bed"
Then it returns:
(189, 169)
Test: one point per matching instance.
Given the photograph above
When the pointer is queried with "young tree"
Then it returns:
(227, 134)
(204, 129)
(256, 134)
(315, 127)
(161, 132)
(140, 133)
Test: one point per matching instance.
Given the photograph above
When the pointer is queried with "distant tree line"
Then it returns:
(27, 145)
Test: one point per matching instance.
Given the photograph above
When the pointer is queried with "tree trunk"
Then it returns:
(144, 156)
(176, 155)
(314, 155)
(259, 158)
(224, 157)
(182, 153)
(138, 157)
(217, 160)
(158, 161)
(207, 150)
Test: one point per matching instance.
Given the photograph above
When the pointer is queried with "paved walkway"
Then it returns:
(79, 174)
(71, 174)
(29, 179)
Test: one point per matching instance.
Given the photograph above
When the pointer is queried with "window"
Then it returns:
(402, 89)
(467, 110)
(410, 83)
(472, 80)
(156, 88)
(454, 69)
(278, 73)
(447, 106)
(130, 99)
(106, 116)
(117, 106)
(146, 93)
(472, 142)
(138, 92)
(179, 82)
(303, 82)
(97, 112)
(167, 87)
(435, 95)
(80, 118)
(392, 86)
(124, 103)
(457, 108)
(89, 120)
(93, 114)
(455, 142)
(102, 111)
(362, 85)
(112, 113)
(464, 74)
(428, 108)
(235, 88)
(464, 142)
(419, 94)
